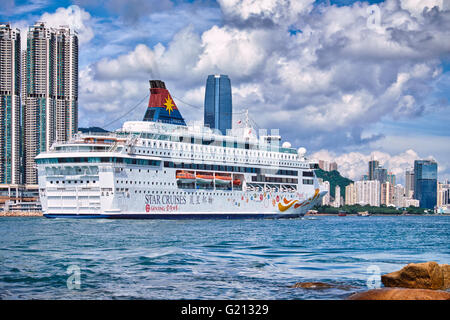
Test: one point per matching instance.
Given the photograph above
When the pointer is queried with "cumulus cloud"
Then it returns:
(131, 11)
(73, 16)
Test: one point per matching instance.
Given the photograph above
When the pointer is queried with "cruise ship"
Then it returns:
(162, 168)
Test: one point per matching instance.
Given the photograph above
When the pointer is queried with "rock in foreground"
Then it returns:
(321, 285)
(400, 294)
(427, 275)
(312, 285)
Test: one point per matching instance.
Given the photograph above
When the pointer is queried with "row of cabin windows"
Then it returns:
(72, 181)
(185, 147)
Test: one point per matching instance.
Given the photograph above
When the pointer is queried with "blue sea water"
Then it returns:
(211, 259)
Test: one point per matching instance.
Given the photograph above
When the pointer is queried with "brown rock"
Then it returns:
(446, 273)
(312, 285)
(321, 285)
(427, 275)
(401, 294)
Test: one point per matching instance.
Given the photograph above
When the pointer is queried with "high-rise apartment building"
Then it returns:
(328, 166)
(350, 194)
(51, 91)
(337, 197)
(368, 192)
(409, 183)
(425, 183)
(326, 198)
(218, 103)
(387, 194)
(399, 196)
(10, 134)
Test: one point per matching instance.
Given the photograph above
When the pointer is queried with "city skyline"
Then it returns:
(396, 114)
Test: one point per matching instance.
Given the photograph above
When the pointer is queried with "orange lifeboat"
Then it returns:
(185, 177)
(223, 179)
(204, 178)
(236, 182)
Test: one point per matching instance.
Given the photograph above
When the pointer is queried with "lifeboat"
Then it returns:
(204, 178)
(223, 180)
(185, 177)
(236, 182)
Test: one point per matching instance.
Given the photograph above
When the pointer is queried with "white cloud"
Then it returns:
(73, 16)
(275, 10)
(416, 7)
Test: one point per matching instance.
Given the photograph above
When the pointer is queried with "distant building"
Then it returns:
(387, 194)
(333, 166)
(399, 196)
(350, 195)
(326, 198)
(380, 174)
(10, 128)
(409, 183)
(218, 103)
(425, 183)
(443, 194)
(411, 203)
(328, 166)
(391, 178)
(368, 192)
(337, 197)
(373, 164)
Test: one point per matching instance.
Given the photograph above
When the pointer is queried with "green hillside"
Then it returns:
(335, 179)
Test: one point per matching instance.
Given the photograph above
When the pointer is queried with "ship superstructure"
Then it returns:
(163, 168)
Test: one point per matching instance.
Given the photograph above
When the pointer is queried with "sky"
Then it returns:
(347, 80)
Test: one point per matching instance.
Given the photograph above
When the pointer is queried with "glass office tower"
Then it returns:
(218, 104)
(425, 183)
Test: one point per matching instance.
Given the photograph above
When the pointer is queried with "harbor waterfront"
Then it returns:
(211, 259)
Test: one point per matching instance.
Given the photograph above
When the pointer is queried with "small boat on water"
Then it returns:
(342, 213)
(363, 214)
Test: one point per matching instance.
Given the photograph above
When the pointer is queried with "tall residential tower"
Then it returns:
(51, 97)
(10, 146)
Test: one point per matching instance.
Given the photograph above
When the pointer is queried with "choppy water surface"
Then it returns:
(212, 259)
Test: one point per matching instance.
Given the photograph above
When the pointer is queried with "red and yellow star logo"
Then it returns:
(169, 105)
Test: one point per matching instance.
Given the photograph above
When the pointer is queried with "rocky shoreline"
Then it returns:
(416, 281)
(21, 214)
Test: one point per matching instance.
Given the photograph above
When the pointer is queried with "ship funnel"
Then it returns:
(161, 107)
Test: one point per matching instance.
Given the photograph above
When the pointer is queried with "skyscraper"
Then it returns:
(373, 164)
(425, 183)
(380, 174)
(409, 183)
(10, 154)
(51, 97)
(218, 103)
